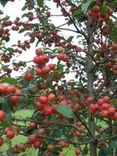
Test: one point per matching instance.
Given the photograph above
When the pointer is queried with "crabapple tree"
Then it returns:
(70, 84)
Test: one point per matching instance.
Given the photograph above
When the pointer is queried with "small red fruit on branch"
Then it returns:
(2, 115)
(43, 99)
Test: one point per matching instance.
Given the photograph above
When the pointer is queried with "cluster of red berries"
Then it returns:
(10, 89)
(41, 61)
(104, 108)
(43, 101)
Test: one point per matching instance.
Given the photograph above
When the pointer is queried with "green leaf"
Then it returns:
(24, 8)
(113, 144)
(3, 2)
(25, 154)
(87, 5)
(105, 152)
(23, 47)
(21, 30)
(9, 80)
(27, 14)
(31, 151)
(85, 150)
(102, 152)
(31, 89)
(104, 9)
(37, 43)
(25, 83)
(5, 124)
(2, 100)
(65, 110)
(113, 32)
(40, 3)
(9, 153)
(7, 108)
(70, 38)
(10, 50)
(77, 13)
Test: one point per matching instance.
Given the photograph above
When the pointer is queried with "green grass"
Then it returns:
(23, 113)
(69, 151)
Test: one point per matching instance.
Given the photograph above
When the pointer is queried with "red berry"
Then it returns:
(11, 89)
(52, 66)
(15, 99)
(41, 131)
(39, 71)
(3, 88)
(10, 134)
(45, 58)
(61, 154)
(28, 76)
(32, 125)
(105, 106)
(43, 99)
(46, 69)
(37, 59)
(50, 148)
(48, 110)
(104, 113)
(51, 97)
(106, 99)
(111, 110)
(90, 100)
(92, 108)
(36, 144)
(1, 141)
(115, 116)
(78, 151)
(32, 137)
(63, 57)
(96, 9)
(2, 115)
(39, 106)
(62, 144)
(7, 129)
(39, 51)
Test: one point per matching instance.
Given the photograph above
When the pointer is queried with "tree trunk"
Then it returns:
(90, 76)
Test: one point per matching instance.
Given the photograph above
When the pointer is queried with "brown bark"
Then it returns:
(90, 75)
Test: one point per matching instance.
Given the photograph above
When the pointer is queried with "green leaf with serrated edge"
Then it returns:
(9, 80)
(65, 110)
